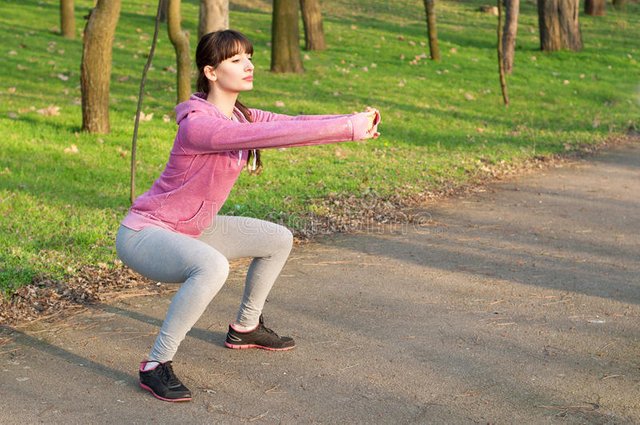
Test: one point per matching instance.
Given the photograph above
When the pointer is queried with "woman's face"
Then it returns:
(234, 74)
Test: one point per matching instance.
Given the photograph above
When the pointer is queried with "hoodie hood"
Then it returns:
(197, 103)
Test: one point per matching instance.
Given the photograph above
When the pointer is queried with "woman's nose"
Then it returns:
(249, 66)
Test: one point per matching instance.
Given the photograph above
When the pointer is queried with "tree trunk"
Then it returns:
(432, 32)
(512, 10)
(619, 4)
(285, 46)
(214, 16)
(95, 71)
(594, 7)
(180, 41)
(503, 79)
(67, 19)
(559, 26)
(312, 20)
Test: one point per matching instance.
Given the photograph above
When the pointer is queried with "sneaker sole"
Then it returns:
(245, 346)
(144, 387)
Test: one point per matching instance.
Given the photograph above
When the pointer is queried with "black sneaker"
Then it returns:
(260, 337)
(163, 383)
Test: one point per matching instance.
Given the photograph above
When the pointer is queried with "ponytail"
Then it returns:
(258, 168)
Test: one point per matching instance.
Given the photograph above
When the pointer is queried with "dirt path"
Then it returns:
(519, 304)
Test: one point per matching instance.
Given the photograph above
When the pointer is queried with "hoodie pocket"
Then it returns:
(195, 225)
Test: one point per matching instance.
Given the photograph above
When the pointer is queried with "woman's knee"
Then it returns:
(212, 265)
(282, 239)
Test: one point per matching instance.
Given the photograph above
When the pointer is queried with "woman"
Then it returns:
(173, 233)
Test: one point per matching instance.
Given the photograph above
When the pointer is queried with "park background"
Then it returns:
(63, 192)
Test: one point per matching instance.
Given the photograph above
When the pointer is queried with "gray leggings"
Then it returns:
(202, 266)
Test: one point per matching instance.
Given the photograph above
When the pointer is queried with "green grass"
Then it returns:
(60, 211)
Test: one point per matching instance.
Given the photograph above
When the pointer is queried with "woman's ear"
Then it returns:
(210, 73)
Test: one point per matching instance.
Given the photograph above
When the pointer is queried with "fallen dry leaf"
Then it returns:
(49, 111)
(146, 117)
(279, 104)
(71, 149)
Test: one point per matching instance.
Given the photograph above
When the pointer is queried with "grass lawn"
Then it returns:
(63, 192)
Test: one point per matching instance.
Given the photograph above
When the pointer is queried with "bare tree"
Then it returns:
(312, 21)
(180, 41)
(503, 80)
(214, 16)
(285, 47)
(559, 26)
(430, 8)
(162, 6)
(95, 71)
(594, 7)
(511, 12)
(163, 10)
(67, 19)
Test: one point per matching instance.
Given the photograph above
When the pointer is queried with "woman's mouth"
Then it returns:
(249, 78)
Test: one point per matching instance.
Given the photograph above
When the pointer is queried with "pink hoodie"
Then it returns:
(209, 153)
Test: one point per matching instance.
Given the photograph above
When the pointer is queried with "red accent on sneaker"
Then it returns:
(245, 346)
(144, 387)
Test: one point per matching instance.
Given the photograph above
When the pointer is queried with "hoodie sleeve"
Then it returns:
(202, 133)
(265, 116)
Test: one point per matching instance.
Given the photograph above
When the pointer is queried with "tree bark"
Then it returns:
(594, 7)
(180, 41)
(214, 16)
(285, 46)
(432, 32)
(95, 71)
(512, 10)
(559, 26)
(619, 4)
(312, 21)
(503, 80)
(67, 19)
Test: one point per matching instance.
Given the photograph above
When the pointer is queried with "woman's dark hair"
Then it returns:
(213, 48)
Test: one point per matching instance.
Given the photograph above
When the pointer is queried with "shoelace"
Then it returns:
(267, 330)
(170, 377)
